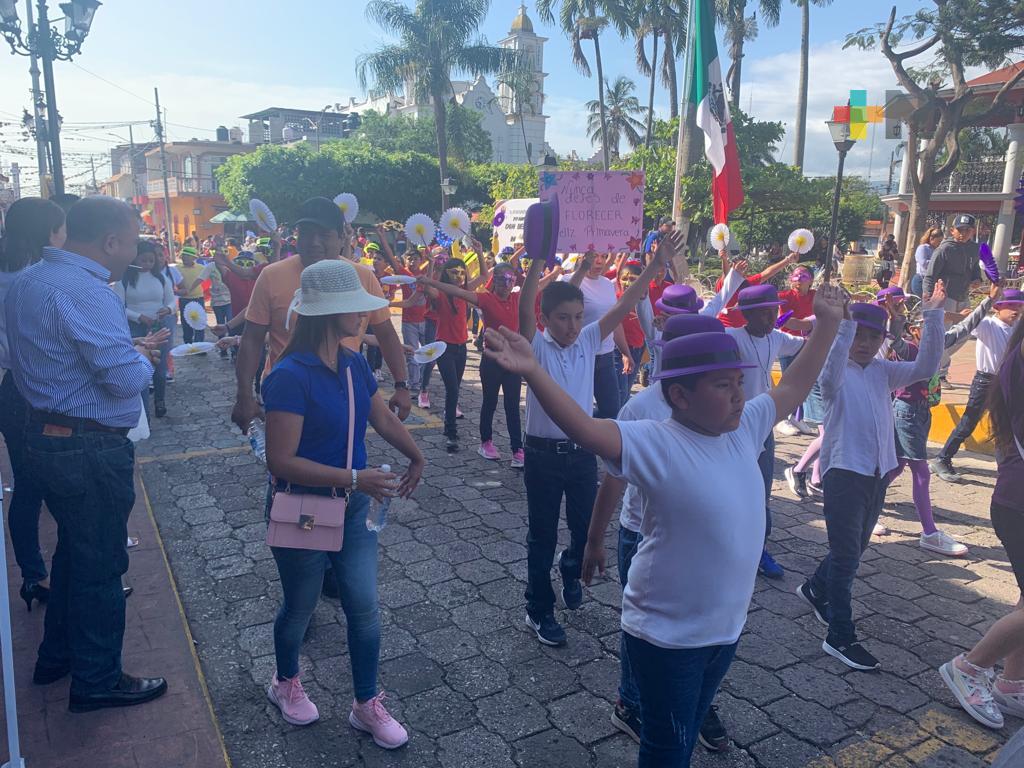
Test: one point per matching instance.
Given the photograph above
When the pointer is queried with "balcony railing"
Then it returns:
(984, 175)
(176, 186)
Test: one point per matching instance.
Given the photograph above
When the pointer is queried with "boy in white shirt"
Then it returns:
(554, 464)
(857, 454)
(692, 578)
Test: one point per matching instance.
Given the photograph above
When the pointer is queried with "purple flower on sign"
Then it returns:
(499, 219)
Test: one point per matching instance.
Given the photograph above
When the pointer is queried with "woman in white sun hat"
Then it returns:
(307, 399)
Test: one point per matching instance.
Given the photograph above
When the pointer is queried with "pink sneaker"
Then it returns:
(424, 399)
(488, 451)
(371, 717)
(518, 459)
(295, 706)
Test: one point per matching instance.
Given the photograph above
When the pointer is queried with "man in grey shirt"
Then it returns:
(955, 262)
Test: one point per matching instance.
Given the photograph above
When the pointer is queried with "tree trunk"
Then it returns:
(600, 97)
(441, 127)
(650, 94)
(800, 139)
(522, 125)
(916, 222)
(673, 81)
(736, 53)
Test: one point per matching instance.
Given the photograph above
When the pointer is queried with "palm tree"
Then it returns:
(522, 85)
(665, 20)
(739, 28)
(584, 20)
(621, 106)
(800, 138)
(436, 38)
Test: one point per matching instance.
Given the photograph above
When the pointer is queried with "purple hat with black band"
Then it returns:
(679, 300)
(758, 296)
(540, 230)
(869, 315)
(1011, 297)
(678, 326)
(893, 290)
(700, 353)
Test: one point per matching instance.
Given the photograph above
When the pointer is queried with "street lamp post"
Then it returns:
(841, 138)
(448, 189)
(43, 40)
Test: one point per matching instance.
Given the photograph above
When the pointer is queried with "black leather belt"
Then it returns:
(64, 426)
(551, 445)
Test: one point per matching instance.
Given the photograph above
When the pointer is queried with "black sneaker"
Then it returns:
(943, 467)
(548, 630)
(627, 720)
(815, 488)
(452, 445)
(852, 655)
(712, 733)
(797, 482)
(819, 604)
(572, 594)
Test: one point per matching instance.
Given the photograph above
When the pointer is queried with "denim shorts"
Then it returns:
(913, 422)
(814, 406)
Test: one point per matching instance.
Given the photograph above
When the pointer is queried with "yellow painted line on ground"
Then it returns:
(184, 622)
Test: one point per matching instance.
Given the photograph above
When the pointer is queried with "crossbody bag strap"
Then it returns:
(351, 415)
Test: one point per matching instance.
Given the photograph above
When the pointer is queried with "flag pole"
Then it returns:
(682, 144)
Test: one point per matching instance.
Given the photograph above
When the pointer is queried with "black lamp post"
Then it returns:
(841, 138)
(43, 40)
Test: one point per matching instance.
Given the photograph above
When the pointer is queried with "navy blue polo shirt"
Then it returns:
(301, 383)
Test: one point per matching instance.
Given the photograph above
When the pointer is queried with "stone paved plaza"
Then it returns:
(473, 685)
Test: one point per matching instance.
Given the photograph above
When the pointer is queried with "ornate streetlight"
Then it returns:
(840, 132)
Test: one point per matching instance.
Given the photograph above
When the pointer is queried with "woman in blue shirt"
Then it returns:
(922, 256)
(306, 401)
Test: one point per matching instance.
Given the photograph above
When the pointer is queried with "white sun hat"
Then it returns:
(332, 287)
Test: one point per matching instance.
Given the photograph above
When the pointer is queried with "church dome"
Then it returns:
(522, 22)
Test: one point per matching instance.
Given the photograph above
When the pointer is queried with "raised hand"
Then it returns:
(938, 298)
(740, 265)
(895, 307)
(670, 245)
(995, 290)
(830, 303)
(509, 350)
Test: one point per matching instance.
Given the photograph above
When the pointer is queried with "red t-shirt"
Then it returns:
(497, 313)
(451, 325)
(801, 306)
(418, 313)
(240, 289)
(733, 318)
(654, 291)
(632, 328)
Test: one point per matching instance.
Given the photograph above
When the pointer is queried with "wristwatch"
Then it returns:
(401, 385)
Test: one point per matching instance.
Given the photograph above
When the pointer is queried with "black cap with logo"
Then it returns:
(322, 212)
(964, 221)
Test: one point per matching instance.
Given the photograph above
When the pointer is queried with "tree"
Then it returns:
(621, 108)
(953, 35)
(800, 137)
(467, 139)
(584, 20)
(740, 28)
(523, 85)
(436, 38)
(666, 20)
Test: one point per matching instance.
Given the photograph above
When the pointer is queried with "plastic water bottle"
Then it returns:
(377, 517)
(258, 440)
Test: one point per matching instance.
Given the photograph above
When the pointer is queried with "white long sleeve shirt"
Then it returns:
(858, 400)
(146, 297)
(762, 351)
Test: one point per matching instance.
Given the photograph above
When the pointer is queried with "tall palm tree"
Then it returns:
(435, 39)
(800, 138)
(621, 108)
(739, 29)
(663, 20)
(584, 20)
(521, 82)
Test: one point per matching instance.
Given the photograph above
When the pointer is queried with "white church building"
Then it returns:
(500, 113)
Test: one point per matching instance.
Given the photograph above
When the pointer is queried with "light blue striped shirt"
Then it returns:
(71, 352)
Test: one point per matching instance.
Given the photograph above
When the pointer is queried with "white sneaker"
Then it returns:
(943, 543)
(806, 429)
(1009, 703)
(974, 692)
(788, 428)
(879, 530)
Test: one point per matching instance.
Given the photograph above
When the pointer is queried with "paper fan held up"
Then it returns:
(801, 241)
(540, 230)
(719, 237)
(262, 215)
(455, 223)
(349, 206)
(419, 229)
(195, 315)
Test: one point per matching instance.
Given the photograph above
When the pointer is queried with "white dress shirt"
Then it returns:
(762, 351)
(993, 335)
(598, 299)
(572, 367)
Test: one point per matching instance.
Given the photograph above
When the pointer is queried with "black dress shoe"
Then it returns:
(127, 591)
(128, 692)
(46, 675)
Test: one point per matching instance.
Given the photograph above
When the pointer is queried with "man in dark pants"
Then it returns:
(74, 363)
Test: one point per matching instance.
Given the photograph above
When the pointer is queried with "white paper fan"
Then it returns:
(455, 223)
(419, 228)
(719, 236)
(349, 206)
(207, 271)
(263, 216)
(801, 241)
(195, 315)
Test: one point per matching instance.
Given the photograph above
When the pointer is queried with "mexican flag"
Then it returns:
(708, 95)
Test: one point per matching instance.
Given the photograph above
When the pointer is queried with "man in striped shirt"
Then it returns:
(74, 363)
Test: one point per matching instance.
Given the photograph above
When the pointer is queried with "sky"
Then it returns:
(215, 61)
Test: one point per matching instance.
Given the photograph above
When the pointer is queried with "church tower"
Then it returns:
(522, 38)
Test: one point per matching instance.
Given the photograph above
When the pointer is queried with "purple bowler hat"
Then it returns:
(757, 296)
(700, 353)
(870, 315)
(1011, 297)
(686, 325)
(679, 300)
(893, 290)
(540, 230)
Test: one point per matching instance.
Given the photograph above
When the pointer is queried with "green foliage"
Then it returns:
(468, 142)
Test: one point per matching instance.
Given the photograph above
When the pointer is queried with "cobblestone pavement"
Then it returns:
(475, 688)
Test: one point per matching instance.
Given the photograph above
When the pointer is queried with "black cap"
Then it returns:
(964, 221)
(665, 220)
(322, 212)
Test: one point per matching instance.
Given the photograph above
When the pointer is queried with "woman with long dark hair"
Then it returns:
(971, 676)
(32, 224)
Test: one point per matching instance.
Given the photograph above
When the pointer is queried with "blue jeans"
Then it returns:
(160, 369)
(626, 382)
(629, 541)
(766, 463)
(413, 335)
(429, 334)
(676, 688)
(27, 496)
(916, 284)
(355, 569)
(977, 403)
(606, 386)
(852, 505)
(87, 481)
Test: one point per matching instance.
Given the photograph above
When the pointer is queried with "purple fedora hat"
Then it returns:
(540, 230)
(757, 296)
(679, 300)
(699, 353)
(1011, 297)
(678, 326)
(893, 290)
(870, 315)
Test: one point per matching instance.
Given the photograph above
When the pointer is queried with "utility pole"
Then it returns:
(92, 167)
(159, 128)
(131, 166)
(52, 118)
(37, 117)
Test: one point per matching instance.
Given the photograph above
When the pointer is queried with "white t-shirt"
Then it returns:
(993, 335)
(598, 299)
(572, 368)
(762, 351)
(148, 296)
(692, 578)
(648, 404)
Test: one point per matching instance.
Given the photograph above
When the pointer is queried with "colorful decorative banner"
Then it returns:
(599, 211)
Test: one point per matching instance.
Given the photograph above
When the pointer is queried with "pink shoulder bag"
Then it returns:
(310, 521)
